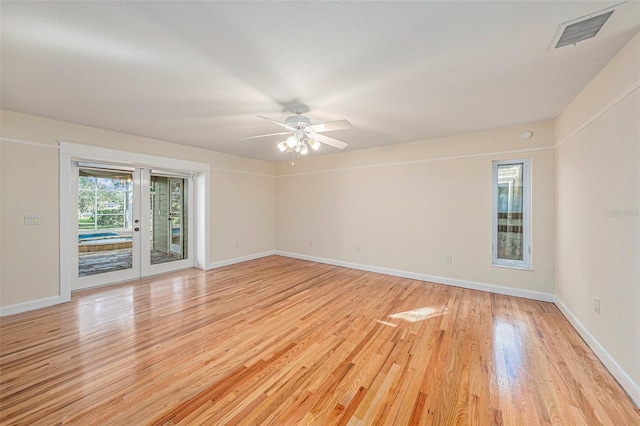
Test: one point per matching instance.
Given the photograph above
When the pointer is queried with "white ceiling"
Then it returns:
(197, 73)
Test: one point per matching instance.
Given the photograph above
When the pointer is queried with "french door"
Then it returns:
(129, 222)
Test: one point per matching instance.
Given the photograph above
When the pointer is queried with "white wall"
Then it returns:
(405, 208)
(598, 239)
(241, 195)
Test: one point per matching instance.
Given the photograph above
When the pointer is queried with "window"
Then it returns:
(512, 213)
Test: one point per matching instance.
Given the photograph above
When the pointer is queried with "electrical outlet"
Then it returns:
(449, 259)
(237, 244)
(596, 305)
(310, 243)
(358, 249)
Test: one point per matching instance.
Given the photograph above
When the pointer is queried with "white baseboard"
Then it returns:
(616, 371)
(472, 285)
(34, 304)
(221, 263)
(54, 300)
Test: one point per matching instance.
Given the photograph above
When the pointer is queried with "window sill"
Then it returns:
(521, 268)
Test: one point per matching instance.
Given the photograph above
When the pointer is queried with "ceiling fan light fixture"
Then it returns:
(314, 144)
(303, 135)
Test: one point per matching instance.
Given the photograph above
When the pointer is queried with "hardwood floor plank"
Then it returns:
(284, 341)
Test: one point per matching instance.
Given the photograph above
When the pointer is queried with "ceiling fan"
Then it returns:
(304, 135)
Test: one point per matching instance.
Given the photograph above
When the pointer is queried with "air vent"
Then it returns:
(583, 28)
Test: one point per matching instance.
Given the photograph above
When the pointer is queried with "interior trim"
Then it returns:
(425, 160)
(235, 260)
(23, 142)
(221, 169)
(472, 285)
(597, 115)
(616, 371)
(32, 305)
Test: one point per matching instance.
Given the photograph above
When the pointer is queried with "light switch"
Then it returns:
(31, 220)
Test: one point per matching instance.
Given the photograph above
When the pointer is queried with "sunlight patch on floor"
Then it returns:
(416, 315)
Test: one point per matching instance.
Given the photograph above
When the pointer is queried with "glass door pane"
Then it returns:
(168, 219)
(175, 215)
(105, 206)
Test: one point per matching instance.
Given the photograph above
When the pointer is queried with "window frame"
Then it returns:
(524, 264)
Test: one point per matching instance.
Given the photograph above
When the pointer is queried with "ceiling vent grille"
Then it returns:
(583, 28)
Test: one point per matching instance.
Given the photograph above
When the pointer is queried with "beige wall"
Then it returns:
(243, 213)
(30, 254)
(241, 197)
(1, 210)
(598, 190)
(407, 207)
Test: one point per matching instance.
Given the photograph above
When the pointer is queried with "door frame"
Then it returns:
(70, 152)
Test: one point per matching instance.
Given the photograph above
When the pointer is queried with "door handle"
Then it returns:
(136, 229)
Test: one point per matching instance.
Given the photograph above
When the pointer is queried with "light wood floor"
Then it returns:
(284, 341)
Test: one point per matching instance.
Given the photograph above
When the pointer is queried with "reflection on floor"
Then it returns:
(114, 260)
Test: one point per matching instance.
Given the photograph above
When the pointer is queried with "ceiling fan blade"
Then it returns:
(264, 136)
(332, 125)
(275, 122)
(329, 141)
